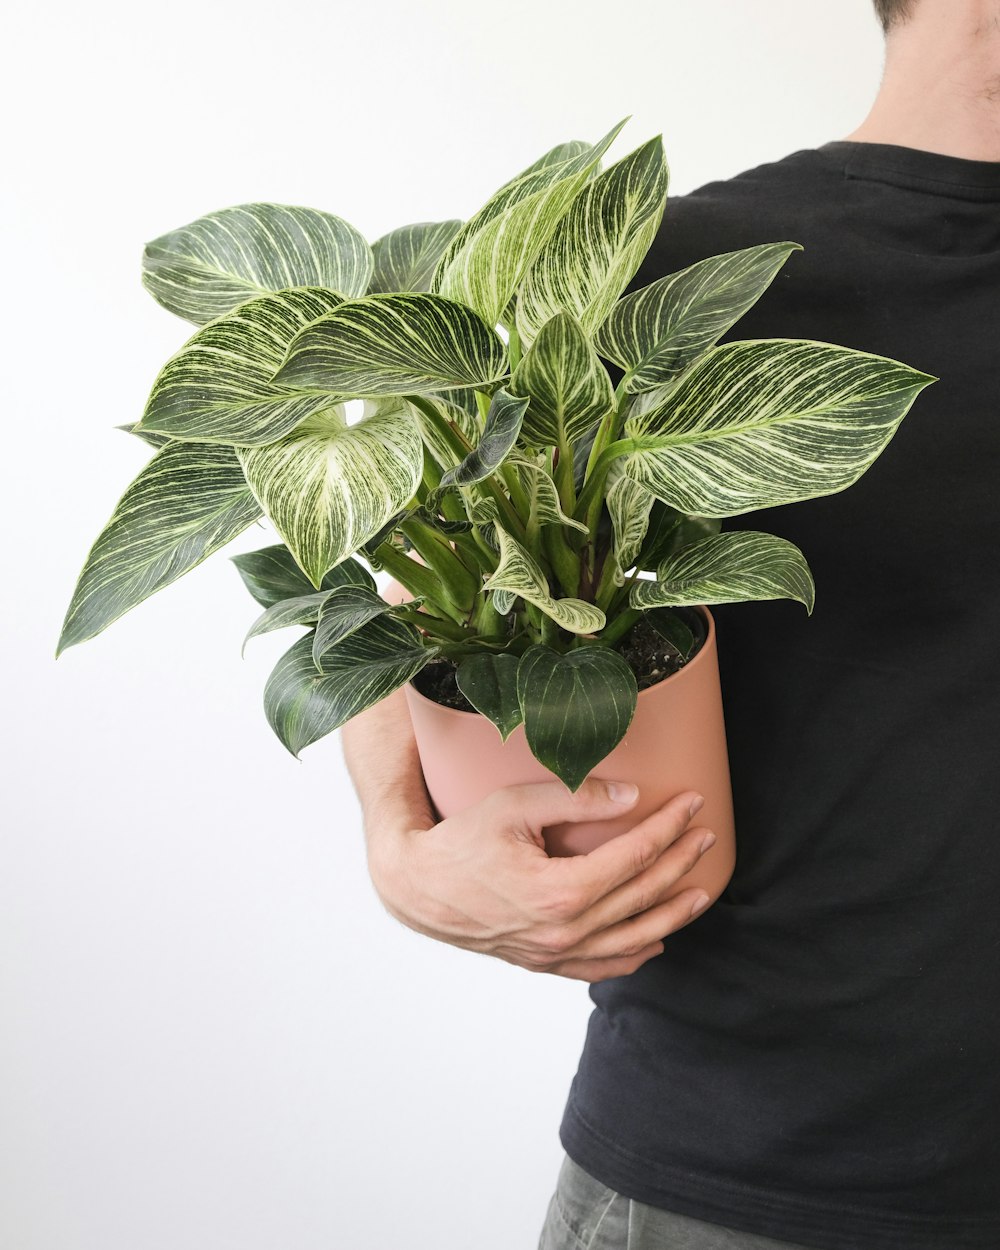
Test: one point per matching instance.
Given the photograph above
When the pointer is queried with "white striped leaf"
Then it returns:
(489, 256)
(557, 155)
(503, 423)
(542, 491)
(147, 436)
(405, 258)
(503, 601)
(395, 343)
(520, 573)
(346, 609)
(654, 333)
(563, 377)
(762, 422)
(303, 704)
(305, 608)
(328, 487)
(188, 501)
(669, 530)
(301, 610)
(218, 387)
(469, 424)
(489, 682)
(733, 567)
(271, 575)
(629, 504)
(598, 244)
(576, 707)
(204, 269)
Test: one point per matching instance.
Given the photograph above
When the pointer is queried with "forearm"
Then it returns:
(380, 752)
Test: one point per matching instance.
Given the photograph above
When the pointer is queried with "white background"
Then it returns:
(212, 1035)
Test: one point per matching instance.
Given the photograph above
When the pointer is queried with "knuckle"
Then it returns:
(555, 940)
(561, 904)
(644, 853)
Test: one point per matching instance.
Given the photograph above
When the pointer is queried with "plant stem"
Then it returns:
(418, 579)
(619, 627)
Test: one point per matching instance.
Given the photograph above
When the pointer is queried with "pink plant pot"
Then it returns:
(676, 741)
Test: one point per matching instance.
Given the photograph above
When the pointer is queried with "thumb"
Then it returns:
(535, 804)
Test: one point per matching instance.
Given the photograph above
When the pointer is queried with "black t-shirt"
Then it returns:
(817, 1057)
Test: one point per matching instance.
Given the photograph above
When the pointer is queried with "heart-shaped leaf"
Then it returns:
(598, 244)
(218, 387)
(733, 567)
(204, 269)
(762, 422)
(576, 707)
(391, 344)
(328, 487)
(489, 682)
(655, 332)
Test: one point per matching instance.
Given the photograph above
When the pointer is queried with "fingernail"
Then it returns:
(699, 903)
(697, 803)
(707, 841)
(622, 791)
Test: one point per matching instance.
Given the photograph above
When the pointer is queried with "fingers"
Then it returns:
(535, 804)
(638, 932)
(575, 883)
(594, 970)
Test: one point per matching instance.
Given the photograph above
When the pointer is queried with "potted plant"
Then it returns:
(553, 539)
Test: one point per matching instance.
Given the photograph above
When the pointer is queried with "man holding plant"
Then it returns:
(812, 1062)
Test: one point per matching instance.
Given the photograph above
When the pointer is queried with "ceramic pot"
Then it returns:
(676, 741)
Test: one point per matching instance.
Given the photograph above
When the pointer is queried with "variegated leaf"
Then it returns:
(328, 487)
(489, 256)
(669, 530)
(503, 423)
(204, 269)
(520, 573)
(391, 344)
(629, 504)
(147, 436)
(557, 155)
(598, 244)
(218, 387)
(406, 257)
(489, 682)
(762, 422)
(733, 567)
(271, 575)
(504, 600)
(301, 610)
(542, 491)
(567, 385)
(576, 707)
(655, 332)
(346, 609)
(470, 426)
(188, 501)
(303, 704)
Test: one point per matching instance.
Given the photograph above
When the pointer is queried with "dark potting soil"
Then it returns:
(647, 653)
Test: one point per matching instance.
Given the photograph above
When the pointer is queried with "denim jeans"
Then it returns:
(583, 1214)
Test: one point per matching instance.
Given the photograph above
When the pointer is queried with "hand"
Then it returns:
(481, 879)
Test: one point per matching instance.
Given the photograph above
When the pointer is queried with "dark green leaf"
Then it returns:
(489, 682)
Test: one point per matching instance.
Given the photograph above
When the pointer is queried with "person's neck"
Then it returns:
(940, 89)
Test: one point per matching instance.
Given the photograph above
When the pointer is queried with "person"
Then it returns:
(813, 1060)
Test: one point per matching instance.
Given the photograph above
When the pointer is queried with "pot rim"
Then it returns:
(706, 646)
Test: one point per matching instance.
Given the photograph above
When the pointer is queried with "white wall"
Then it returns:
(212, 1036)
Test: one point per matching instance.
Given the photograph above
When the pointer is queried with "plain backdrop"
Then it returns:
(212, 1034)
